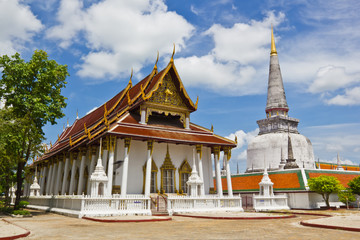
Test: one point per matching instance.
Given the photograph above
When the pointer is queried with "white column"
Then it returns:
(143, 116)
(105, 153)
(43, 187)
(41, 179)
(81, 174)
(66, 172)
(92, 165)
(150, 147)
(227, 155)
(53, 177)
(187, 122)
(48, 180)
(58, 177)
(125, 167)
(201, 173)
(112, 145)
(73, 169)
(218, 175)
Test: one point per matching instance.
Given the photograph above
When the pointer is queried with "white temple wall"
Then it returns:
(138, 156)
(308, 200)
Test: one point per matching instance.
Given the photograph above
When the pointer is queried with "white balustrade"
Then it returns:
(181, 204)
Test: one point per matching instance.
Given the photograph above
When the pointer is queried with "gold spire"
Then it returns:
(130, 82)
(172, 56)
(157, 59)
(273, 48)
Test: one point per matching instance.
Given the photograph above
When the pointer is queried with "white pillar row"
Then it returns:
(110, 172)
(92, 164)
(105, 151)
(127, 142)
(58, 177)
(201, 172)
(73, 169)
(217, 168)
(65, 176)
(43, 187)
(82, 168)
(150, 148)
(211, 171)
(227, 156)
(48, 180)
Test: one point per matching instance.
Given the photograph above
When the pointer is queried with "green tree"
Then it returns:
(33, 90)
(8, 141)
(354, 185)
(346, 196)
(325, 185)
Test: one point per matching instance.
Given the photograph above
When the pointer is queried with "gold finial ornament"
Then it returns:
(197, 101)
(212, 128)
(157, 59)
(172, 56)
(236, 140)
(273, 48)
(130, 82)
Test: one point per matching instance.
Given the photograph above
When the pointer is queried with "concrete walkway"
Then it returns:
(53, 226)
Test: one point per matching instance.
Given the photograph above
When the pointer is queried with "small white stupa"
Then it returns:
(339, 167)
(194, 183)
(98, 179)
(266, 200)
(35, 187)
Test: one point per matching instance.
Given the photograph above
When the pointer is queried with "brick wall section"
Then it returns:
(250, 182)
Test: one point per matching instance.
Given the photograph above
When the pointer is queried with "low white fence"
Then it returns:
(93, 206)
(274, 202)
(182, 204)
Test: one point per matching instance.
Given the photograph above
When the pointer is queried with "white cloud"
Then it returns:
(238, 63)
(243, 138)
(71, 19)
(331, 78)
(120, 34)
(245, 43)
(17, 26)
(351, 97)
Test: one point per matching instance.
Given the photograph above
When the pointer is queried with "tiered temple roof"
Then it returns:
(160, 94)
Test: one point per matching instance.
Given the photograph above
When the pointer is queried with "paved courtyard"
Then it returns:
(53, 226)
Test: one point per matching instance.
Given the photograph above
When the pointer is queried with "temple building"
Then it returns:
(279, 143)
(138, 146)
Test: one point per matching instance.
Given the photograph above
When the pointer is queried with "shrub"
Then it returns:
(21, 212)
(23, 204)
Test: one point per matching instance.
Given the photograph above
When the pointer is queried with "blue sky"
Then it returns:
(222, 56)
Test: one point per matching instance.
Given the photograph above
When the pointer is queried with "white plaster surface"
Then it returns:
(267, 148)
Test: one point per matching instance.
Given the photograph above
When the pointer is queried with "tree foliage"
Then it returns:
(325, 185)
(33, 92)
(346, 196)
(354, 185)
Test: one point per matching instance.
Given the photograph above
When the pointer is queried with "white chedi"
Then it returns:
(194, 183)
(98, 179)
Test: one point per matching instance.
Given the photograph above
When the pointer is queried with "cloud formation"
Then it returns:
(18, 25)
(119, 34)
(238, 63)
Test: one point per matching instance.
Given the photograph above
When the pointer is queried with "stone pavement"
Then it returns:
(53, 226)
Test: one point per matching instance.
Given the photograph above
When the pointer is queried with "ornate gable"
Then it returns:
(167, 94)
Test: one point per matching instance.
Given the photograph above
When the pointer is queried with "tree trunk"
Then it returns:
(326, 198)
(19, 181)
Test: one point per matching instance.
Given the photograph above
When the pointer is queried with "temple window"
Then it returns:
(168, 175)
(184, 174)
